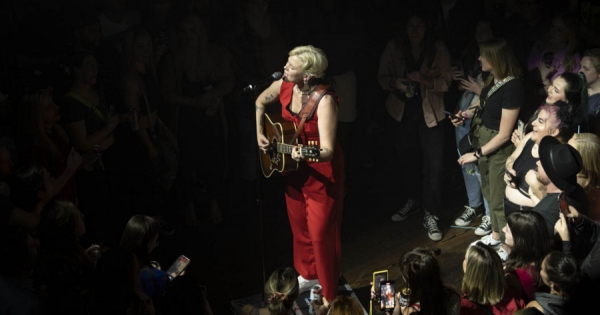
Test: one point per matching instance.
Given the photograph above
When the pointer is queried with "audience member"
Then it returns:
(557, 52)
(561, 273)
(588, 145)
(341, 305)
(65, 267)
(138, 147)
(555, 120)
(471, 81)
(494, 120)
(485, 287)
(529, 241)
(19, 254)
(47, 143)
(196, 75)
(416, 109)
(421, 272)
(281, 290)
(89, 122)
(590, 67)
(581, 239)
(139, 238)
(568, 87)
(558, 175)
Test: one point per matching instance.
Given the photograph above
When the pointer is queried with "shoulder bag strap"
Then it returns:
(308, 109)
(87, 104)
(495, 88)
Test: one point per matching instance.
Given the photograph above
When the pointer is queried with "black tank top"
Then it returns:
(523, 164)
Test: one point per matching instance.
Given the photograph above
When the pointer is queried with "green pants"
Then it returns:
(491, 168)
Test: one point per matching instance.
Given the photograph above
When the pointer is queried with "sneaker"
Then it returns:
(430, 223)
(467, 216)
(488, 240)
(485, 227)
(411, 207)
(306, 285)
(502, 253)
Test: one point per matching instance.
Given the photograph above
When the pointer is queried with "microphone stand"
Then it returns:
(258, 200)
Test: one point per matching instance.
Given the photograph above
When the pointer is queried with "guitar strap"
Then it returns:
(308, 109)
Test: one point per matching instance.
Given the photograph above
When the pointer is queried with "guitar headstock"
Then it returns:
(311, 151)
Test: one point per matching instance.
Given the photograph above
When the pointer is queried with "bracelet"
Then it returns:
(480, 153)
(464, 114)
(475, 155)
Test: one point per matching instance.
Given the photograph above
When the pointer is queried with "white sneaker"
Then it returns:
(485, 227)
(306, 285)
(488, 240)
(502, 253)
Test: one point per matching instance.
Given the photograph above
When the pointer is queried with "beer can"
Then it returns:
(404, 296)
(315, 294)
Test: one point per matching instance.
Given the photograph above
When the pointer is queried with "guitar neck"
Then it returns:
(285, 148)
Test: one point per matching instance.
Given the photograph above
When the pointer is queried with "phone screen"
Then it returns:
(563, 203)
(378, 277)
(520, 128)
(178, 267)
(388, 292)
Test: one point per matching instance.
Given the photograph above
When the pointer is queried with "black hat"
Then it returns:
(561, 162)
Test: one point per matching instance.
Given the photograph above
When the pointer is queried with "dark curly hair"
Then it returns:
(567, 118)
(563, 271)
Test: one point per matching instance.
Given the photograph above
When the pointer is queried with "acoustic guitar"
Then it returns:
(278, 157)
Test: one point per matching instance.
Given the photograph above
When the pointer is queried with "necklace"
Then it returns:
(304, 94)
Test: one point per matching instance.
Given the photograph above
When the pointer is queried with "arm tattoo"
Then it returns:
(326, 150)
(269, 97)
(259, 109)
(262, 120)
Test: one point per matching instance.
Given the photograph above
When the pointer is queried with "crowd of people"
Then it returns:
(114, 110)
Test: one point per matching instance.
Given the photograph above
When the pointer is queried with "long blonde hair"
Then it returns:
(32, 123)
(484, 281)
(588, 145)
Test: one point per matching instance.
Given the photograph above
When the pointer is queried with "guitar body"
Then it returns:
(278, 131)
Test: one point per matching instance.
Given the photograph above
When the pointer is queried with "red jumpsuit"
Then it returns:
(314, 197)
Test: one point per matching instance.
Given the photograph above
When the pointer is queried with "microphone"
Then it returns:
(271, 78)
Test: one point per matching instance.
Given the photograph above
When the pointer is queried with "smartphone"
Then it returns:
(178, 267)
(563, 203)
(453, 115)
(520, 127)
(378, 277)
(387, 295)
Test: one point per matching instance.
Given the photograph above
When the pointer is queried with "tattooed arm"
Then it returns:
(327, 113)
(268, 96)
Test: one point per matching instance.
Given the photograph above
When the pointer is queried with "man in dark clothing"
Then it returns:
(557, 169)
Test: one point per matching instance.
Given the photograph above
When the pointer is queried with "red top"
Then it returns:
(507, 306)
(310, 131)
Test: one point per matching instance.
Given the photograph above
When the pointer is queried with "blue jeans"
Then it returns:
(472, 182)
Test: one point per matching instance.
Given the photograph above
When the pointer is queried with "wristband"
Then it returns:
(480, 153)
(465, 115)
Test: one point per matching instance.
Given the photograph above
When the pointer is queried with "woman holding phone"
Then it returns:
(493, 122)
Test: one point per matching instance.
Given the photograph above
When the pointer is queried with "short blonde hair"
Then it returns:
(588, 145)
(314, 60)
(484, 281)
